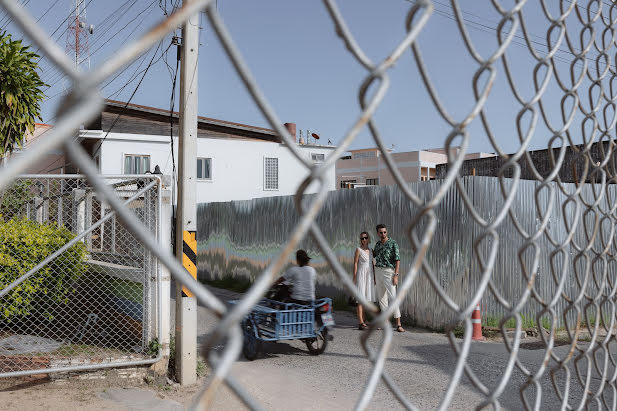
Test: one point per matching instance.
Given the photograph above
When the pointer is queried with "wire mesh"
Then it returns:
(75, 286)
(584, 33)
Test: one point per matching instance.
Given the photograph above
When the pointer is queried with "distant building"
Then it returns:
(234, 161)
(366, 167)
(571, 171)
(51, 163)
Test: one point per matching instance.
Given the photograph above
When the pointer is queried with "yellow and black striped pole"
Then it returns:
(189, 257)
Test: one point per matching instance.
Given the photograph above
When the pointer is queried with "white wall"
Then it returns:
(237, 165)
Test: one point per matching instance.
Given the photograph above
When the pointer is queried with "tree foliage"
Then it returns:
(13, 200)
(20, 92)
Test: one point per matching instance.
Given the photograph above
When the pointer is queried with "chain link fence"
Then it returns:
(77, 289)
(573, 60)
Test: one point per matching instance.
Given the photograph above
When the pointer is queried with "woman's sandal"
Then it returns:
(362, 326)
(400, 329)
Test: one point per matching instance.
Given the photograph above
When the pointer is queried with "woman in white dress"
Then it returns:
(364, 275)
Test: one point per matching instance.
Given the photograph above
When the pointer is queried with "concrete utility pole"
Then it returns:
(186, 222)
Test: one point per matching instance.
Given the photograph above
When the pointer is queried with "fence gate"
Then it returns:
(77, 289)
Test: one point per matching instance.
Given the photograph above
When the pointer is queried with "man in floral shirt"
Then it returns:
(387, 264)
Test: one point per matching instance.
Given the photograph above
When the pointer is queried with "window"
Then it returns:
(365, 154)
(271, 173)
(347, 183)
(204, 169)
(372, 181)
(317, 158)
(136, 164)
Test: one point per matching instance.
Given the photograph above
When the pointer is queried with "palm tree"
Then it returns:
(20, 93)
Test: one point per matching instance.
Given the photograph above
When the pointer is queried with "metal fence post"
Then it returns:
(164, 283)
(38, 209)
(88, 218)
(78, 210)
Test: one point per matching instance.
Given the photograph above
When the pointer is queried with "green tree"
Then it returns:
(20, 92)
(13, 200)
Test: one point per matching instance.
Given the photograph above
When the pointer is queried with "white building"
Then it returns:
(365, 167)
(234, 161)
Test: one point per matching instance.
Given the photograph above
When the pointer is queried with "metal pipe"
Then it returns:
(81, 367)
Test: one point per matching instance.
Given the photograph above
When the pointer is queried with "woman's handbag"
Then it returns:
(352, 301)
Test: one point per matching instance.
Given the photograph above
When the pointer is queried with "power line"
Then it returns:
(59, 75)
(492, 30)
(171, 115)
(56, 73)
(134, 76)
(62, 23)
(24, 3)
(47, 11)
(54, 117)
(129, 100)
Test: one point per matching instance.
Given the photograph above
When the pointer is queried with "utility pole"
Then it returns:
(186, 222)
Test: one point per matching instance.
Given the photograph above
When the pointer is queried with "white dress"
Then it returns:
(365, 274)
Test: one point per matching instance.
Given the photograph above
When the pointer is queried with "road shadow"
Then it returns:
(489, 361)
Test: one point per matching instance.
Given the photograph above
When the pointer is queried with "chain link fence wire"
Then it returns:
(77, 290)
(573, 60)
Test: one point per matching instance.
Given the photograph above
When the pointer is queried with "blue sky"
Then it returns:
(310, 78)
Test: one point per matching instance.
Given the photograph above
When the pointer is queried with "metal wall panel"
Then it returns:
(241, 238)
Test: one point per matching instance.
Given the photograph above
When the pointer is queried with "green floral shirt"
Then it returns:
(386, 255)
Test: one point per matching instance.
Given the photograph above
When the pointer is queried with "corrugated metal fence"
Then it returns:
(240, 238)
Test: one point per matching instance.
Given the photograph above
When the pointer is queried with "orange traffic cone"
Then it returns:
(476, 322)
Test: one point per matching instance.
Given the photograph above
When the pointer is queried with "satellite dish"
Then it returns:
(91, 29)
(315, 136)
(82, 24)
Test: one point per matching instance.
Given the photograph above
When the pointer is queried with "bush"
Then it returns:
(23, 245)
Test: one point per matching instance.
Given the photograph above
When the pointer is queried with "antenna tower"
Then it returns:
(77, 35)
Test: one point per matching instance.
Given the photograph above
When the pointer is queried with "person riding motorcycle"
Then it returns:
(301, 278)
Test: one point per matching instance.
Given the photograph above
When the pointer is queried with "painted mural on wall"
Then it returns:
(240, 238)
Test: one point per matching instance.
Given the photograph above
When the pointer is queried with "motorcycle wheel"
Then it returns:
(318, 344)
(251, 346)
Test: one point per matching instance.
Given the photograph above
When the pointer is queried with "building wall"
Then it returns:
(431, 157)
(237, 165)
(236, 239)
(572, 169)
(412, 165)
(53, 162)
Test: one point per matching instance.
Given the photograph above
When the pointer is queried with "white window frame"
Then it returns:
(211, 167)
(265, 174)
(322, 155)
(125, 155)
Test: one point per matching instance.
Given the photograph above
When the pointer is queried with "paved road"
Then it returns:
(420, 362)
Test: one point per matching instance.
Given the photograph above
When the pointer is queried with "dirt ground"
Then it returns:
(43, 394)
